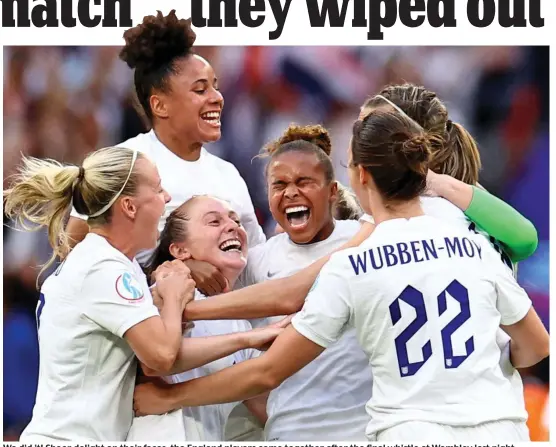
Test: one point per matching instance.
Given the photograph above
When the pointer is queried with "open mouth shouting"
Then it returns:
(212, 118)
(298, 216)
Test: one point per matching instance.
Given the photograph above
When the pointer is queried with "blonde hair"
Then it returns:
(43, 191)
(347, 206)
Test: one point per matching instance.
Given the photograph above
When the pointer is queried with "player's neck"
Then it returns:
(384, 211)
(231, 275)
(186, 150)
(121, 240)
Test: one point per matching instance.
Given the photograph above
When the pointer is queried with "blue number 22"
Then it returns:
(415, 299)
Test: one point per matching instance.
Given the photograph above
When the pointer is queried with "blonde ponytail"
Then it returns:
(41, 194)
(346, 206)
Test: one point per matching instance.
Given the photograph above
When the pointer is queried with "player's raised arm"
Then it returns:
(198, 351)
(282, 296)
(494, 216)
(250, 378)
(157, 341)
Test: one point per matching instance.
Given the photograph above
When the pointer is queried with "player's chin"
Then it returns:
(232, 260)
(209, 135)
(301, 236)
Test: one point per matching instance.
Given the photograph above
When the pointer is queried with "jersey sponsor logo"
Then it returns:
(129, 288)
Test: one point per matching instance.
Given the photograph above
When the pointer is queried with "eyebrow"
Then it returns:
(205, 80)
(300, 179)
(215, 213)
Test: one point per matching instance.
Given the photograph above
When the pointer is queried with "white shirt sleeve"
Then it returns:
(366, 218)
(115, 298)
(513, 303)
(328, 308)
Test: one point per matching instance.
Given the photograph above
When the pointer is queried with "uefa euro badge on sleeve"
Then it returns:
(129, 288)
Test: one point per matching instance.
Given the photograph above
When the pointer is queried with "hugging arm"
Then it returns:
(493, 215)
(288, 354)
(282, 296)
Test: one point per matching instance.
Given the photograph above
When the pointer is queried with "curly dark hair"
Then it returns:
(152, 49)
(315, 139)
(314, 134)
(312, 139)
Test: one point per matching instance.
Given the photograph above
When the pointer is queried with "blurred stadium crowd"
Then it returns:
(63, 102)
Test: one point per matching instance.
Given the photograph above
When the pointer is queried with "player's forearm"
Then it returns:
(453, 190)
(198, 351)
(235, 384)
(171, 338)
(524, 356)
(493, 215)
(276, 297)
(530, 341)
(504, 223)
(257, 407)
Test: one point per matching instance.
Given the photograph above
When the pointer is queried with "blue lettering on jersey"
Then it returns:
(413, 251)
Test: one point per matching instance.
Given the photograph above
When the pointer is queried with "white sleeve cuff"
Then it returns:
(518, 315)
(136, 319)
(366, 218)
(308, 333)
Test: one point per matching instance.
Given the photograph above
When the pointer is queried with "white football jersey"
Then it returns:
(87, 369)
(207, 423)
(427, 300)
(448, 212)
(326, 400)
(209, 175)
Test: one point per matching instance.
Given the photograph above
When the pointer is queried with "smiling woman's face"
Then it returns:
(214, 235)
